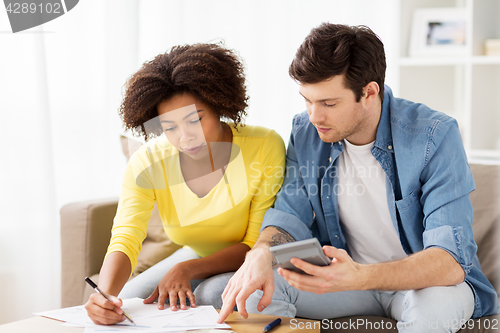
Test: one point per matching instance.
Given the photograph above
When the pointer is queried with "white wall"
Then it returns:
(266, 34)
(60, 88)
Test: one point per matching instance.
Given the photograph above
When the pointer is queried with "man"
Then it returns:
(384, 184)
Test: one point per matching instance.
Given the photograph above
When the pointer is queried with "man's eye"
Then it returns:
(328, 105)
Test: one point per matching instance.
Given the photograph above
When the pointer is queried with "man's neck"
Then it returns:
(368, 130)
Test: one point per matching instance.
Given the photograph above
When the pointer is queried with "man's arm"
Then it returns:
(277, 238)
(427, 268)
(255, 273)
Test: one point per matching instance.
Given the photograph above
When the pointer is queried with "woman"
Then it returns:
(212, 180)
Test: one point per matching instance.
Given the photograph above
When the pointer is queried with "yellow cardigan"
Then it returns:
(230, 213)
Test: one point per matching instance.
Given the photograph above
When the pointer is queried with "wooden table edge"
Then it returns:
(254, 324)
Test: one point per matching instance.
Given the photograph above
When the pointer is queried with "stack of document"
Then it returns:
(147, 318)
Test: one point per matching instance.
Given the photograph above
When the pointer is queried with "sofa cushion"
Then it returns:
(156, 246)
(486, 203)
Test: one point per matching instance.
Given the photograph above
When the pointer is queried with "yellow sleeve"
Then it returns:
(136, 202)
(271, 167)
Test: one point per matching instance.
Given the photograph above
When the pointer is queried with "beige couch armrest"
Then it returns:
(486, 203)
(85, 234)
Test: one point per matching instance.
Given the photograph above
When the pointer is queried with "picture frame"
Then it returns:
(439, 31)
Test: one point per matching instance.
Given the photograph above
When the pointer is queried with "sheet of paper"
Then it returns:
(74, 315)
(202, 317)
(147, 318)
(207, 318)
(147, 324)
(134, 307)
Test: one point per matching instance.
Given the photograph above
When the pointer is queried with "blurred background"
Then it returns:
(61, 85)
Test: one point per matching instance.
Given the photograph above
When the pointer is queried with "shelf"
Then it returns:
(486, 60)
(484, 156)
(464, 85)
(442, 61)
(446, 61)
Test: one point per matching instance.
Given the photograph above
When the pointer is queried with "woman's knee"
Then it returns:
(209, 292)
(145, 283)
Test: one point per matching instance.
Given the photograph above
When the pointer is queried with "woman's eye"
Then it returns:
(169, 129)
(195, 121)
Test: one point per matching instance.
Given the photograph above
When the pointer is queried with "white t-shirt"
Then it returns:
(363, 208)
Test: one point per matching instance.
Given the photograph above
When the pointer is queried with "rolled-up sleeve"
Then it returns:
(292, 210)
(446, 185)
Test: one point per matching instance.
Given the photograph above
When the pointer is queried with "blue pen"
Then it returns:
(272, 325)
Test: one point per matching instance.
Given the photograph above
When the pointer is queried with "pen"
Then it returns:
(96, 288)
(272, 325)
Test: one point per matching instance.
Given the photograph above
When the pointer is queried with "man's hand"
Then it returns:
(341, 275)
(176, 284)
(255, 273)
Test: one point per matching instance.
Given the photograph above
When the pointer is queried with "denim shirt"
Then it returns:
(428, 188)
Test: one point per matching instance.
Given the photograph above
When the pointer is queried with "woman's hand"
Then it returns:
(104, 312)
(176, 284)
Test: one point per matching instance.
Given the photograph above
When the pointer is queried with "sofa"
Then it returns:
(86, 229)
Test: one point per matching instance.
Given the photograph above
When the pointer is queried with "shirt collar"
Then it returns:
(384, 136)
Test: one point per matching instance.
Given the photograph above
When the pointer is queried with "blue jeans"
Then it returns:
(423, 310)
(145, 283)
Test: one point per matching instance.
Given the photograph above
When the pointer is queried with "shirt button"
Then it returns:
(330, 159)
(390, 147)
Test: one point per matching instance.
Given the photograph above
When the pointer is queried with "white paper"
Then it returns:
(207, 318)
(147, 318)
(75, 315)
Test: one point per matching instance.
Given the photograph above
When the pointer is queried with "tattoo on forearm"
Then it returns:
(281, 237)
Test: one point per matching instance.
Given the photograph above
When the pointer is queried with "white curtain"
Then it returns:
(61, 85)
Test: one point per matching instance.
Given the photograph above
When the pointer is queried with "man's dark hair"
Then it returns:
(210, 72)
(336, 49)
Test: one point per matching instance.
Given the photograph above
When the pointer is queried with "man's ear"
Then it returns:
(370, 92)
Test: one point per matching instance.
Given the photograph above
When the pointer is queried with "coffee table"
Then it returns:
(254, 324)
